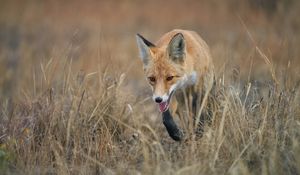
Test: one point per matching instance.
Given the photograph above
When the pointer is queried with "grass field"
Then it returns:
(73, 98)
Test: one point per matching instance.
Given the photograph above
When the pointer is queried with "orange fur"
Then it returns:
(196, 63)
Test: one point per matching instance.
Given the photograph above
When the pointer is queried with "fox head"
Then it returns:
(164, 67)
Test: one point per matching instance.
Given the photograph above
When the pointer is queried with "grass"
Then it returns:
(73, 99)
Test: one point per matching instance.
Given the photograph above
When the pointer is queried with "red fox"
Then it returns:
(180, 70)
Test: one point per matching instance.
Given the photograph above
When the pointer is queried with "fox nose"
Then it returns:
(158, 99)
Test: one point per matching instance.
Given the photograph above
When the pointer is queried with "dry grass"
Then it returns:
(73, 99)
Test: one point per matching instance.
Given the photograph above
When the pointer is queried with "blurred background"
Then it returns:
(74, 100)
(101, 34)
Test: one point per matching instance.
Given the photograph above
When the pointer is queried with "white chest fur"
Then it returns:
(186, 80)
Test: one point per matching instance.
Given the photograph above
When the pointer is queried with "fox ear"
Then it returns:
(176, 48)
(144, 48)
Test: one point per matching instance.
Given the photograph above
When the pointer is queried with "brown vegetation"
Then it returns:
(73, 99)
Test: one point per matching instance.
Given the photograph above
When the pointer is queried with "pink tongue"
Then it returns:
(163, 106)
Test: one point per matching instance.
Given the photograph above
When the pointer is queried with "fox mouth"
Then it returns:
(164, 106)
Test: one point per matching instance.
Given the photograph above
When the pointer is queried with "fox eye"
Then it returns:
(169, 78)
(152, 79)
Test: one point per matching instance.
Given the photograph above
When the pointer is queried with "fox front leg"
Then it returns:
(174, 132)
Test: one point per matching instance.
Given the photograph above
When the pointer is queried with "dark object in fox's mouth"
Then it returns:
(174, 132)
